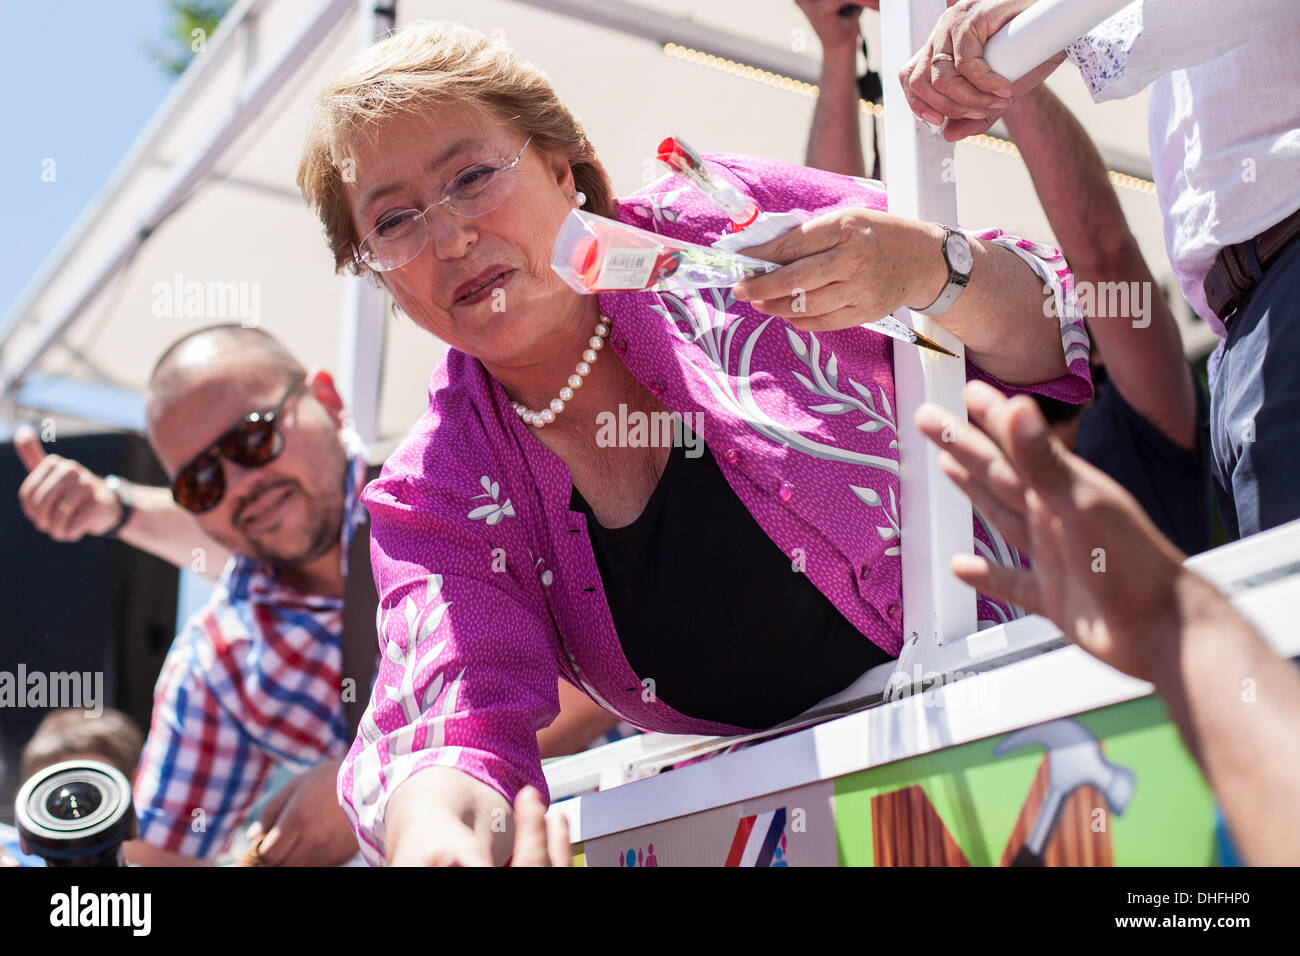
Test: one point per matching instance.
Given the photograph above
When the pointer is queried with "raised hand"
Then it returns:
(835, 31)
(62, 498)
(1102, 571)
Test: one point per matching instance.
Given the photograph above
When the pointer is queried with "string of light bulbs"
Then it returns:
(1136, 184)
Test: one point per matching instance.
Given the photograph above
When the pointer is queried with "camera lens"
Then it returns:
(73, 801)
(76, 813)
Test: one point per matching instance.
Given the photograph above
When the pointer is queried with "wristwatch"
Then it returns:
(956, 252)
(119, 488)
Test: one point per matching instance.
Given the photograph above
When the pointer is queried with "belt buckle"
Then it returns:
(1222, 293)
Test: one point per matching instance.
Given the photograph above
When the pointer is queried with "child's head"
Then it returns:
(112, 737)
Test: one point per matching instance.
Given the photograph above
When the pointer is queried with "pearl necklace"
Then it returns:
(581, 371)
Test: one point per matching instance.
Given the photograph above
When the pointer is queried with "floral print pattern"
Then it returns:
(480, 615)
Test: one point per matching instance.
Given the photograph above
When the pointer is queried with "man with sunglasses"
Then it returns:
(264, 469)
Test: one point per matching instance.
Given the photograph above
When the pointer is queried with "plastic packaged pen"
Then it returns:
(678, 156)
(749, 227)
(595, 254)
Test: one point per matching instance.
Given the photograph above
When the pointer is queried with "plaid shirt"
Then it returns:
(251, 684)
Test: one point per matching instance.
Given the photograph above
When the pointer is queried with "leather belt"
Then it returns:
(1239, 268)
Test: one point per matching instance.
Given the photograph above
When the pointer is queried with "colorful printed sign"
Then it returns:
(790, 828)
(1111, 787)
(759, 840)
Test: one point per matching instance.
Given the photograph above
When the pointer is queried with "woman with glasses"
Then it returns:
(536, 523)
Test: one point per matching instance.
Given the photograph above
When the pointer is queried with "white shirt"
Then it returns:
(1224, 117)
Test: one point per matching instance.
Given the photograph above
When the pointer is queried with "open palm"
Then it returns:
(1102, 571)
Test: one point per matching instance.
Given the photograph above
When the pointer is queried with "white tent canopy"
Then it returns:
(246, 236)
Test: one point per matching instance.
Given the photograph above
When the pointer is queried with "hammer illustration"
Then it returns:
(1074, 760)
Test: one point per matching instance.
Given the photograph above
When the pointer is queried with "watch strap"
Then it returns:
(956, 284)
(117, 485)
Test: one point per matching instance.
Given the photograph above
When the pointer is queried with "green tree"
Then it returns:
(192, 23)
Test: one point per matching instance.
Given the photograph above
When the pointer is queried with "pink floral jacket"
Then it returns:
(489, 591)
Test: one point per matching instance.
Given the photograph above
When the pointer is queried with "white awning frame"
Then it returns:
(261, 86)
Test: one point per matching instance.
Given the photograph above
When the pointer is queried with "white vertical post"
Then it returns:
(361, 354)
(8, 417)
(936, 516)
(361, 342)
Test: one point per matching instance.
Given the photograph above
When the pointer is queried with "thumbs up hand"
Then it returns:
(61, 497)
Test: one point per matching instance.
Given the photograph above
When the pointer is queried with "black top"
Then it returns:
(707, 606)
(1171, 483)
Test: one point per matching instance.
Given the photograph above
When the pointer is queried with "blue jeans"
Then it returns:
(1255, 406)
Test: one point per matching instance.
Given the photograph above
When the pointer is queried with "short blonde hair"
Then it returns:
(435, 64)
(63, 734)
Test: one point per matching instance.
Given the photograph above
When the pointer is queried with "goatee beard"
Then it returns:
(323, 536)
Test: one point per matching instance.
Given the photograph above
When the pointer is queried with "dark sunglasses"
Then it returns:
(253, 442)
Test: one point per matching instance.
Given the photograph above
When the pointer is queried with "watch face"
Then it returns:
(959, 255)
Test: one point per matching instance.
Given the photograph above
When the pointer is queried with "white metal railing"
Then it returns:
(1047, 27)
(1062, 683)
(936, 517)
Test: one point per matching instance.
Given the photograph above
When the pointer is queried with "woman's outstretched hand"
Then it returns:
(428, 830)
(1102, 571)
(848, 267)
(539, 840)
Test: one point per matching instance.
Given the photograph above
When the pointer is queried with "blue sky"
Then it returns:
(78, 88)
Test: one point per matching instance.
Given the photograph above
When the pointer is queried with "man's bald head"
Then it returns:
(289, 509)
(244, 357)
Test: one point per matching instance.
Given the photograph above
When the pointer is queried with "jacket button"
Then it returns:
(785, 491)
(894, 612)
(620, 345)
(657, 387)
(864, 571)
(732, 455)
